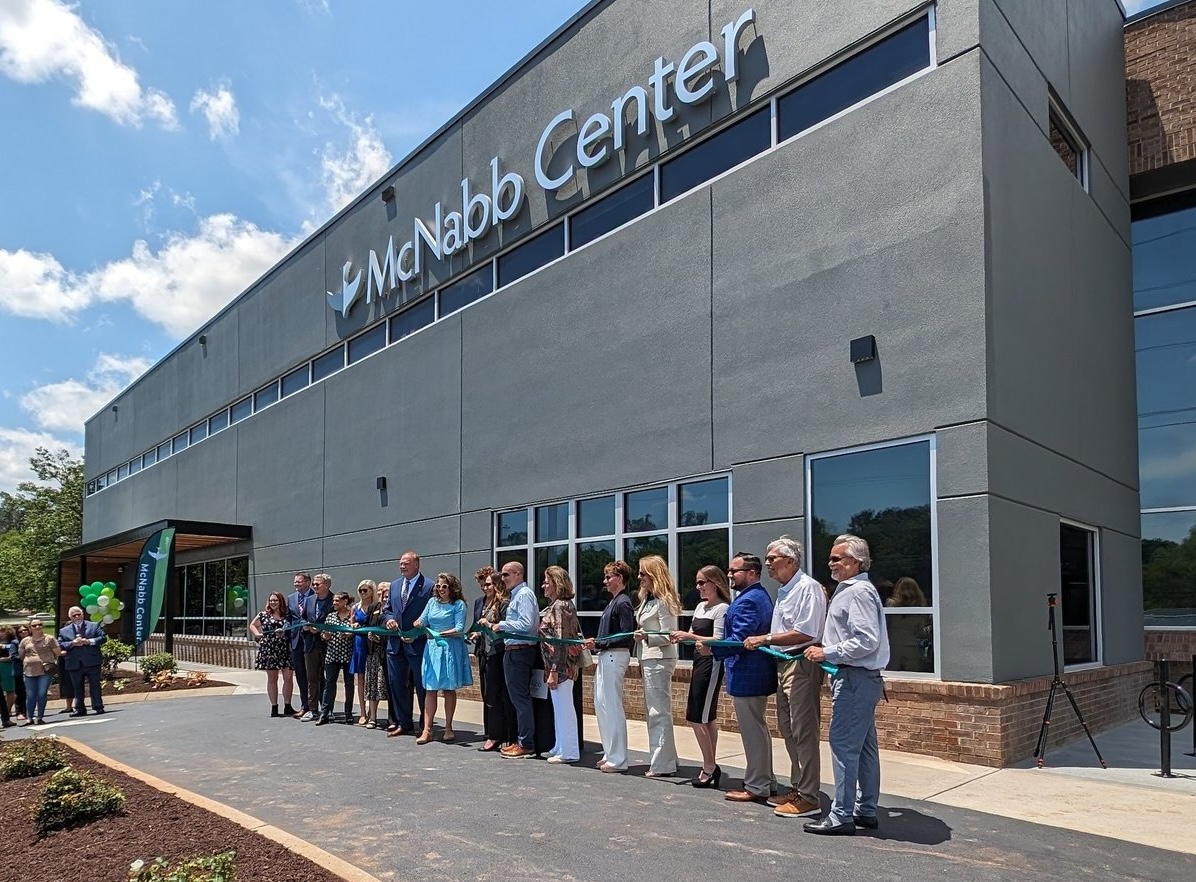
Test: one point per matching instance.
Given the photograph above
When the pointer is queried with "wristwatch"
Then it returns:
(768, 640)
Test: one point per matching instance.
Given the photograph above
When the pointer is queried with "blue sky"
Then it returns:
(162, 156)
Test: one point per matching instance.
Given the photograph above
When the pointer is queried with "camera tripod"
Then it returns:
(1056, 685)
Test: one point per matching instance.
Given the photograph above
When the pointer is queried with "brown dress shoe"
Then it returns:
(801, 808)
(516, 752)
(743, 796)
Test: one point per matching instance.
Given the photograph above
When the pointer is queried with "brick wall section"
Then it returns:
(964, 722)
(1161, 88)
(1177, 646)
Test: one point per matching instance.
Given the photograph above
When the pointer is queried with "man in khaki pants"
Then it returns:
(797, 621)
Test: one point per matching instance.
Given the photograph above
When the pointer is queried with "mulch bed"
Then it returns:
(135, 684)
(154, 824)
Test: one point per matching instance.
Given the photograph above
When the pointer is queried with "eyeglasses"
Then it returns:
(363, 590)
(772, 558)
(731, 571)
(506, 575)
(644, 576)
(835, 558)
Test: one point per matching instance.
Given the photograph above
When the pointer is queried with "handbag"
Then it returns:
(585, 660)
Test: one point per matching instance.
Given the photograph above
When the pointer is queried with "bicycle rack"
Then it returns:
(1157, 696)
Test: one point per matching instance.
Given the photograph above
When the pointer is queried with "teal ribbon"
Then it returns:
(623, 635)
(412, 634)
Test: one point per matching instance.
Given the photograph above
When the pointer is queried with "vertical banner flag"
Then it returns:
(152, 570)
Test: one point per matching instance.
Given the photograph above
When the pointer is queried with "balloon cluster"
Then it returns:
(99, 601)
(236, 597)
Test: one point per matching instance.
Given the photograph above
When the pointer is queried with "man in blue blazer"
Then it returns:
(81, 641)
(301, 605)
(404, 655)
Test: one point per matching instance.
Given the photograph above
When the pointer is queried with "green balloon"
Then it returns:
(111, 585)
(108, 592)
(97, 587)
(83, 589)
(97, 617)
(115, 613)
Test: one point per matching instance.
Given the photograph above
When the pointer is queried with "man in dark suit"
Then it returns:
(81, 641)
(302, 607)
(404, 655)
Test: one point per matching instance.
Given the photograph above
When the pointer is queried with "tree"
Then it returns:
(40, 520)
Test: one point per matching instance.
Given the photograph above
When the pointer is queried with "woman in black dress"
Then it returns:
(274, 650)
(706, 679)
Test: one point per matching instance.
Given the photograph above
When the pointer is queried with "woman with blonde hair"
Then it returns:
(559, 620)
(657, 612)
(366, 664)
(706, 678)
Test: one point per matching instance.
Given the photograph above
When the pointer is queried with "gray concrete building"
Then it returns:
(690, 276)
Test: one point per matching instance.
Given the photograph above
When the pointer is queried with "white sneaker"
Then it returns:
(307, 717)
(561, 761)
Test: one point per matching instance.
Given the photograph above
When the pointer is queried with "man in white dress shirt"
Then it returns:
(797, 622)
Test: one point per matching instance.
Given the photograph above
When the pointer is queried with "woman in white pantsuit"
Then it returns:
(612, 648)
(560, 662)
(657, 612)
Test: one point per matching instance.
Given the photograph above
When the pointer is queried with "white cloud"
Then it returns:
(65, 405)
(345, 172)
(220, 110)
(17, 446)
(42, 40)
(179, 286)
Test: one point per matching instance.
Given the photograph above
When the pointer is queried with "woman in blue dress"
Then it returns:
(446, 662)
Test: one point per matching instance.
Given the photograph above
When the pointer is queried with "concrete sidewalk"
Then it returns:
(1126, 801)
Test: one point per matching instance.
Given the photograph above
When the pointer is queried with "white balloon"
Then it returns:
(92, 608)
(239, 602)
(103, 600)
(108, 620)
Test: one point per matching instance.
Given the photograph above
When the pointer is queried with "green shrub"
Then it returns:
(115, 654)
(213, 868)
(24, 759)
(72, 798)
(156, 663)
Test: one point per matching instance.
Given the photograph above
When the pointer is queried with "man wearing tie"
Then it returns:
(302, 608)
(404, 655)
(81, 641)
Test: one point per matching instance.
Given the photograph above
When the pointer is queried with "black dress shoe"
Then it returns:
(78, 713)
(324, 720)
(99, 711)
(827, 827)
(868, 822)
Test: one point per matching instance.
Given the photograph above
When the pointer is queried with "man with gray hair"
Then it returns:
(797, 622)
(855, 639)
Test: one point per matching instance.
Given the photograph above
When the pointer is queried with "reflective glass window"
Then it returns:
(328, 364)
(883, 496)
(610, 212)
(1066, 145)
(180, 442)
(240, 410)
(122, 471)
(1166, 360)
(1077, 593)
(368, 343)
(531, 255)
(412, 319)
(642, 546)
(646, 510)
(295, 380)
(735, 144)
(552, 522)
(163, 450)
(265, 396)
(111, 478)
(704, 502)
(466, 290)
(592, 595)
(150, 456)
(699, 548)
(135, 466)
(512, 527)
(849, 82)
(199, 432)
(217, 422)
(596, 517)
(548, 556)
(1165, 259)
(1169, 568)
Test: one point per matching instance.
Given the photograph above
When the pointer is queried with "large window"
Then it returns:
(206, 603)
(1164, 240)
(884, 495)
(687, 523)
(1079, 599)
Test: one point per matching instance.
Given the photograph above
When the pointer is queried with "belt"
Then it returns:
(518, 646)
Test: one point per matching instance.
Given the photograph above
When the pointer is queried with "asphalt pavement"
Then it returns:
(445, 811)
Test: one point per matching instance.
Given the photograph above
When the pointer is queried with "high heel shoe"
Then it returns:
(711, 781)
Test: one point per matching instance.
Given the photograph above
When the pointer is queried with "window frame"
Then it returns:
(1095, 626)
(933, 609)
(1058, 116)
